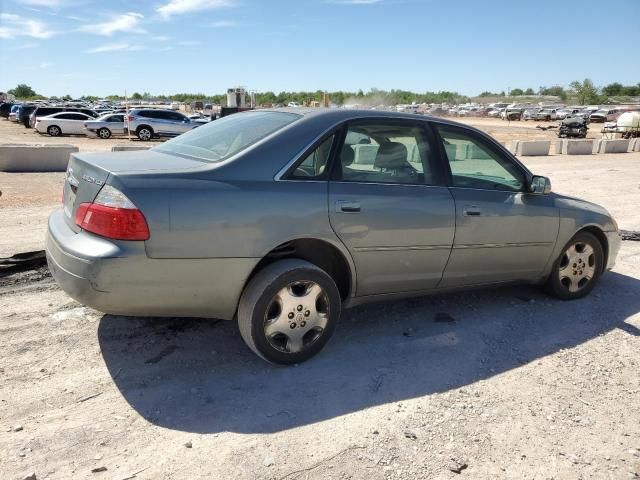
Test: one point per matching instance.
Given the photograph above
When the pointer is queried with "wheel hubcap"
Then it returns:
(145, 134)
(296, 316)
(104, 133)
(577, 267)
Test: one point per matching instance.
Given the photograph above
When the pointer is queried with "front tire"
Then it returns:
(288, 311)
(578, 268)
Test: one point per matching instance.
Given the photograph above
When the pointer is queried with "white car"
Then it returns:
(293, 105)
(63, 123)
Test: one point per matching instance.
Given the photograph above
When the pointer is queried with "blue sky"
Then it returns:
(169, 46)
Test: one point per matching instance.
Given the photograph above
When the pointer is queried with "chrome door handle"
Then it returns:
(345, 206)
(471, 211)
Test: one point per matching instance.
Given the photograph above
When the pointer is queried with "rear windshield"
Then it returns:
(220, 139)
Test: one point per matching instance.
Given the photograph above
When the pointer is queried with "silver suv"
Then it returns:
(147, 123)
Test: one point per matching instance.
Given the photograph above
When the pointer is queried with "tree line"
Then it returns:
(583, 92)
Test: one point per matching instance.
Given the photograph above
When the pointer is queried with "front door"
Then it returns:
(388, 204)
(503, 233)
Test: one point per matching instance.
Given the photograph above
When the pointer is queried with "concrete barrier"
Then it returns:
(129, 148)
(35, 157)
(531, 148)
(558, 147)
(576, 147)
(614, 146)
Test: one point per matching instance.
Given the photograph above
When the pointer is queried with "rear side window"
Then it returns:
(219, 140)
(178, 117)
(314, 165)
(43, 112)
(380, 152)
(147, 114)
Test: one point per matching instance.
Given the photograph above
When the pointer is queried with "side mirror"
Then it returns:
(540, 185)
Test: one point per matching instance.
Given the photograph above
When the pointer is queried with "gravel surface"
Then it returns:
(504, 383)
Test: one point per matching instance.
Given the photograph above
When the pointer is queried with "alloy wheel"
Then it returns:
(577, 266)
(144, 134)
(296, 316)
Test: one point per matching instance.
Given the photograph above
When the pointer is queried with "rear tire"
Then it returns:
(578, 268)
(288, 311)
(54, 131)
(144, 133)
(104, 133)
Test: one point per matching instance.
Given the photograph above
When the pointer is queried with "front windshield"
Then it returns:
(220, 139)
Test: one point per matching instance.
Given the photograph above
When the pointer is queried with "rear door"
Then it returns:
(74, 123)
(388, 205)
(503, 233)
(116, 123)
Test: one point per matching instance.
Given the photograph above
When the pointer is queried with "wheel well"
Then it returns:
(144, 126)
(322, 254)
(602, 238)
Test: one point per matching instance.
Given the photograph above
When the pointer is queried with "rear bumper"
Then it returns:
(117, 277)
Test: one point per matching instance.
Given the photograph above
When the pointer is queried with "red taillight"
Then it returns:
(130, 118)
(112, 222)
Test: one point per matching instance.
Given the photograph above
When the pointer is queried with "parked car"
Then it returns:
(46, 111)
(606, 115)
(24, 113)
(5, 109)
(13, 113)
(547, 114)
(148, 123)
(63, 123)
(496, 112)
(530, 113)
(512, 113)
(467, 112)
(281, 219)
(563, 113)
(106, 125)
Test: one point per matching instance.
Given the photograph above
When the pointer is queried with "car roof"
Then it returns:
(336, 115)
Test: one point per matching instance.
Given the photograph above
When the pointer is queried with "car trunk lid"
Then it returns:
(88, 172)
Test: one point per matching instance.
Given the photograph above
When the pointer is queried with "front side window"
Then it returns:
(474, 164)
(314, 165)
(219, 140)
(386, 153)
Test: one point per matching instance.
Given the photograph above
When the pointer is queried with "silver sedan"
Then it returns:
(106, 126)
(279, 219)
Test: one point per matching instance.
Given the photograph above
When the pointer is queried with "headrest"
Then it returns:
(347, 155)
(391, 156)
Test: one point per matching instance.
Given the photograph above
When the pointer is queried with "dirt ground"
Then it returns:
(502, 383)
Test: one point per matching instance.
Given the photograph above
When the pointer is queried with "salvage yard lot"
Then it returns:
(506, 383)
